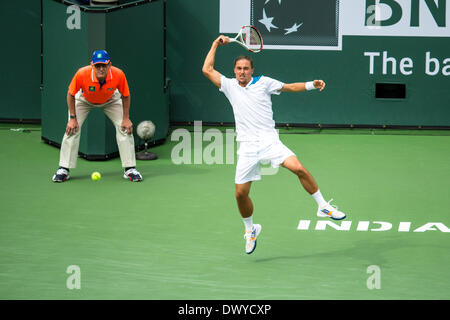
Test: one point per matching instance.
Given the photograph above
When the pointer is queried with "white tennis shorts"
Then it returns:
(252, 154)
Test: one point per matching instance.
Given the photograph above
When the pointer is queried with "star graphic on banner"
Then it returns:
(279, 1)
(267, 22)
(294, 28)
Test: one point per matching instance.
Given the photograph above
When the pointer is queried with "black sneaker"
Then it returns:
(61, 175)
(132, 175)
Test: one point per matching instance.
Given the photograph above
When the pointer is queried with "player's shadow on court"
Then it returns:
(369, 251)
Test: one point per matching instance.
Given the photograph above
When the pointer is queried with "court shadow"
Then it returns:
(370, 250)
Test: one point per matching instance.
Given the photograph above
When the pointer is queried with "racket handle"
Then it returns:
(231, 40)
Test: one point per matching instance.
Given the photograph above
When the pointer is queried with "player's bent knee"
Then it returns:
(241, 194)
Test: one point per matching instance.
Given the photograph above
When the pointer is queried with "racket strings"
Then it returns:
(251, 38)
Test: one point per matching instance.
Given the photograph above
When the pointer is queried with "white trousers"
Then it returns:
(114, 110)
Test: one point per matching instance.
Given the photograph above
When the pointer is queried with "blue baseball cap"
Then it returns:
(100, 56)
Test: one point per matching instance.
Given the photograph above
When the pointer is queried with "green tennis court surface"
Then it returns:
(178, 234)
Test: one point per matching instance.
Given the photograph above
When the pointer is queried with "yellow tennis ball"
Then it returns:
(96, 176)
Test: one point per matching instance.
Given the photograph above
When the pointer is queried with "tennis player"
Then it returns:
(250, 98)
(98, 85)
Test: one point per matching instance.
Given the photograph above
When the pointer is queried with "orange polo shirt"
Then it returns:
(86, 80)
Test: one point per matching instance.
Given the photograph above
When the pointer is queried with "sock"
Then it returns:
(126, 169)
(65, 168)
(319, 198)
(248, 223)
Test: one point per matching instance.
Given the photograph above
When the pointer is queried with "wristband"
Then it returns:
(309, 85)
(73, 116)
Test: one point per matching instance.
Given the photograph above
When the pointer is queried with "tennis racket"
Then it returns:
(250, 38)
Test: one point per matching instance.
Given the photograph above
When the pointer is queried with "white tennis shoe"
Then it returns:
(132, 175)
(250, 237)
(329, 211)
(61, 175)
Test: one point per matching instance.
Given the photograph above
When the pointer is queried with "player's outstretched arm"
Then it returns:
(303, 86)
(208, 66)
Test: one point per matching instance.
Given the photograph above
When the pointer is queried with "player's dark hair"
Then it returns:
(244, 58)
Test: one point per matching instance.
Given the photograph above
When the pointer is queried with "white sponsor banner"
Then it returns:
(286, 24)
(233, 15)
(416, 18)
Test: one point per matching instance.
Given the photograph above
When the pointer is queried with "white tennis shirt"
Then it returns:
(252, 107)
